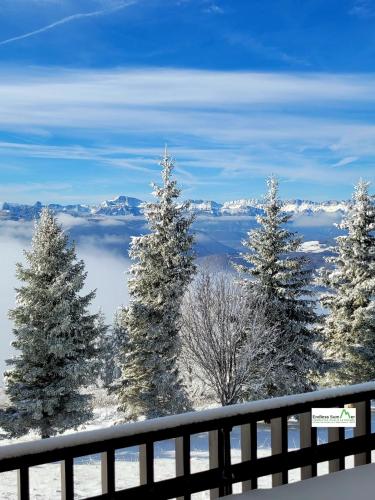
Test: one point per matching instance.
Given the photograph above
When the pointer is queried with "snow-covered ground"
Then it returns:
(357, 483)
(45, 479)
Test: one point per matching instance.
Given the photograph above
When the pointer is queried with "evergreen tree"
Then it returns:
(150, 383)
(55, 337)
(110, 348)
(274, 272)
(349, 327)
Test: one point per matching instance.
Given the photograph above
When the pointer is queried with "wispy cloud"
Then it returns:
(214, 8)
(346, 161)
(224, 127)
(255, 45)
(363, 8)
(68, 19)
(32, 187)
(184, 88)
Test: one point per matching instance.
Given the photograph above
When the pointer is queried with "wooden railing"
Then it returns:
(218, 423)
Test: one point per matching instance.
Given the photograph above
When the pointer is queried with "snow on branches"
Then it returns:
(163, 266)
(274, 272)
(349, 327)
(55, 337)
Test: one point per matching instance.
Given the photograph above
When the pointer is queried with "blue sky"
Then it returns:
(91, 90)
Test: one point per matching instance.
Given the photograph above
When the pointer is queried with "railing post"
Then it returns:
(336, 434)
(363, 428)
(307, 440)
(249, 451)
(279, 445)
(67, 479)
(108, 471)
(227, 460)
(219, 458)
(213, 456)
(146, 463)
(23, 483)
(182, 445)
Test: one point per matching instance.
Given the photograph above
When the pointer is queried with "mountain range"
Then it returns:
(128, 206)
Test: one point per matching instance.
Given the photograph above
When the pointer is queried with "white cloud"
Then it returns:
(318, 220)
(11, 252)
(32, 186)
(106, 272)
(237, 122)
(185, 88)
(168, 98)
(69, 221)
(346, 161)
(236, 105)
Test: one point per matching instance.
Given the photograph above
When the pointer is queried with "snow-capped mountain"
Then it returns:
(306, 207)
(242, 207)
(205, 207)
(71, 209)
(128, 206)
(19, 211)
(122, 205)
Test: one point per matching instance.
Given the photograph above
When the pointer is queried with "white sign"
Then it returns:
(333, 417)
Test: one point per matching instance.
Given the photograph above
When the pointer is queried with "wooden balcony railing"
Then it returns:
(218, 423)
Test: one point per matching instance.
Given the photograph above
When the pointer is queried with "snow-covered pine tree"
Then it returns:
(150, 383)
(55, 337)
(110, 348)
(349, 327)
(274, 272)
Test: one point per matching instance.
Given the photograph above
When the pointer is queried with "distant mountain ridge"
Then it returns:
(126, 205)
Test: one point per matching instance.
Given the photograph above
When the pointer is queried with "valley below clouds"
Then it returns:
(103, 243)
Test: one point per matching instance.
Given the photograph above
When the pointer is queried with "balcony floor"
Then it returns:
(350, 484)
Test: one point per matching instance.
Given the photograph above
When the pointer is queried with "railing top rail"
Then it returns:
(81, 439)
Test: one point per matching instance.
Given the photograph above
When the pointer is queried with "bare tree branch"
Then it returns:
(227, 343)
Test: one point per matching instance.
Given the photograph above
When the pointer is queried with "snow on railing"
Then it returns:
(219, 423)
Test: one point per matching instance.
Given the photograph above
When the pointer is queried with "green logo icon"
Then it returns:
(345, 413)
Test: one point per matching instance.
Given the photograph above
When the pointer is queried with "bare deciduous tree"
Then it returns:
(226, 341)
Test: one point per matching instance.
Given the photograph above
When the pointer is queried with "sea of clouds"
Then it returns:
(103, 244)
